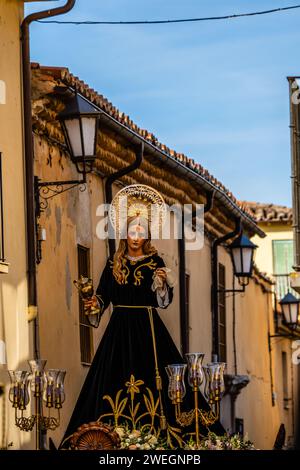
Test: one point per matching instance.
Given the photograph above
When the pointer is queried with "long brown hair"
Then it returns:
(119, 257)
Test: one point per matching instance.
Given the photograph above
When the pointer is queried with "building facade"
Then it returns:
(275, 257)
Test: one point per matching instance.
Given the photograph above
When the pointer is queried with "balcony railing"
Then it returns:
(282, 286)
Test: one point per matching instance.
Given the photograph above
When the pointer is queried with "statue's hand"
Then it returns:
(162, 274)
(88, 303)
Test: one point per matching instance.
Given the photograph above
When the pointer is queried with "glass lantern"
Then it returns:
(195, 370)
(37, 367)
(59, 395)
(176, 389)
(18, 392)
(50, 386)
(214, 386)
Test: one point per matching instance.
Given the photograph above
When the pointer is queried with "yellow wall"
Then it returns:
(14, 329)
(264, 256)
(264, 261)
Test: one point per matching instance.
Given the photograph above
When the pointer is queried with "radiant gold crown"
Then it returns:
(137, 200)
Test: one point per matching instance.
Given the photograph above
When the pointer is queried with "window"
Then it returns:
(285, 387)
(222, 314)
(282, 256)
(85, 329)
(282, 265)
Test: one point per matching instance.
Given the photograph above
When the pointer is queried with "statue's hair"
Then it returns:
(119, 257)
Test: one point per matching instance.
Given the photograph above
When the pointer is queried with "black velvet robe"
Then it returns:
(126, 347)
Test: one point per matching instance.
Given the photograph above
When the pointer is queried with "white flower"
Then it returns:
(120, 431)
(152, 440)
(134, 434)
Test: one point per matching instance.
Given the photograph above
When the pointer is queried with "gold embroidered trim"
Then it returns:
(137, 273)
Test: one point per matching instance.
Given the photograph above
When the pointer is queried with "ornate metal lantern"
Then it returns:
(242, 251)
(290, 310)
(79, 122)
(214, 390)
(43, 386)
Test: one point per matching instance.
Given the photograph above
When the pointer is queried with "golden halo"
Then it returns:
(137, 200)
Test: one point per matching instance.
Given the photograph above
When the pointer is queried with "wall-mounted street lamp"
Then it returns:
(79, 121)
(290, 313)
(242, 252)
(290, 310)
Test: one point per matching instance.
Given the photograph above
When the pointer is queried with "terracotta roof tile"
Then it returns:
(264, 212)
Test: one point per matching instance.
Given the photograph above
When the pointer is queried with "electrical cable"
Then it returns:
(183, 20)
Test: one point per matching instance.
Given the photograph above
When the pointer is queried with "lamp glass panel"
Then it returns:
(73, 130)
(290, 312)
(247, 259)
(237, 259)
(294, 313)
(89, 135)
(286, 312)
(242, 260)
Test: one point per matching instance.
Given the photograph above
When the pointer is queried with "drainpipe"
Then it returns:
(214, 285)
(29, 181)
(115, 176)
(184, 314)
(295, 172)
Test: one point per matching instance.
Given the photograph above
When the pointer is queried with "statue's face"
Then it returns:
(136, 236)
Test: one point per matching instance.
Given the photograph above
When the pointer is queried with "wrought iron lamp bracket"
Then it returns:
(287, 336)
(45, 190)
(225, 291)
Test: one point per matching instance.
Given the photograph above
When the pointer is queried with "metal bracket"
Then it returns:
(287, 336)
(232, 290)
(45, 190)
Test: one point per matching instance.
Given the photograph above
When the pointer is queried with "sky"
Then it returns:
(216, 91)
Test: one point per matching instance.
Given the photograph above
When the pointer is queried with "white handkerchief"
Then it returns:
(158, 282)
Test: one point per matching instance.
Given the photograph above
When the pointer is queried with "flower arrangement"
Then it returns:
(226, 442)
(138, 440)
(143, 440)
